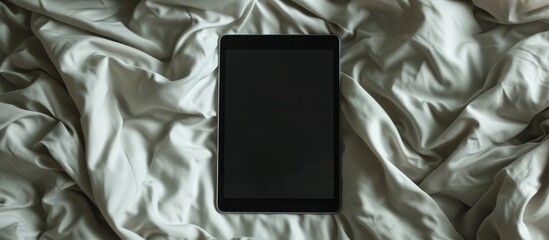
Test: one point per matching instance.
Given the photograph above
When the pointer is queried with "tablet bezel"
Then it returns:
(263, 205)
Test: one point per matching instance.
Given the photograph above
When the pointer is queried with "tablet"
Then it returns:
(278, 124)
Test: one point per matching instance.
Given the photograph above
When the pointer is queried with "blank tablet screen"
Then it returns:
(279, 125)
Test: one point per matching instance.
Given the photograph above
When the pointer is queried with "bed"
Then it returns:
(108, 118)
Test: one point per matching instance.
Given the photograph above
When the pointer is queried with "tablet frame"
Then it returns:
(264, 205)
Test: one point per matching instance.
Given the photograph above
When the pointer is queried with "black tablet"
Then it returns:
(278, 124)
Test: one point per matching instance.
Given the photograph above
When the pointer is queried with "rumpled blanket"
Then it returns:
(108, 118)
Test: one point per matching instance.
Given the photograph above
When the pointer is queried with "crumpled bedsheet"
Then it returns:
(108, 118)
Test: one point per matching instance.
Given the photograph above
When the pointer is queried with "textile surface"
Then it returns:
(108, 118)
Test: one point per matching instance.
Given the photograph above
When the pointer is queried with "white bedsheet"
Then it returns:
(108, 118)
